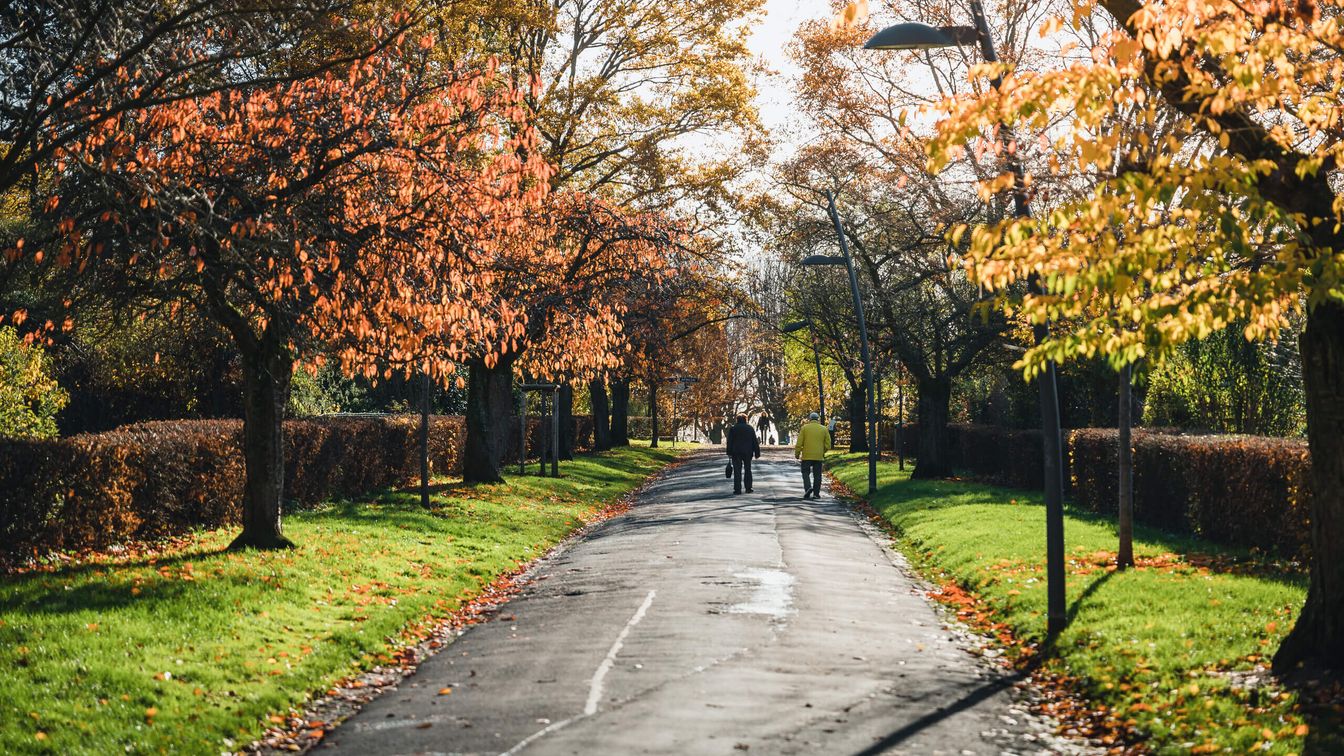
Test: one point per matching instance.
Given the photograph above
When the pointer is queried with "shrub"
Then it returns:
(1002, 456)
(1247, 491)
(156, 479)
(639, 426)
(29, 396)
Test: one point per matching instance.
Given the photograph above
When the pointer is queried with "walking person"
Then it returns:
(814, 441)
(742, 447)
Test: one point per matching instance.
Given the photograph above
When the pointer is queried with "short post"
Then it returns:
(548, 392)
(555, 432)
(541, 453)
(900, 422)
(522, 431)
(424, 438)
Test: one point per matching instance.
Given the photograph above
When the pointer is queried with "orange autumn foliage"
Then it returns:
(349, 212)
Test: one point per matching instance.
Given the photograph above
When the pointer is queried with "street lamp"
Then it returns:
(846, 260)
(816, 359)
(913, 36)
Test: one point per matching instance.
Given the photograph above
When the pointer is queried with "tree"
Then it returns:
(29, 396)
(870, 152)
(332, 215)
(624, 82)
(1226, 384)
(565, 273)
(69, 68)
(921, 309)
(1235, 218)
(768, 289)
(624, 86)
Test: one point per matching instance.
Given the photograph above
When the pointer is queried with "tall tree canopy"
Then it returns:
(337, 214)
(68, 67)
(627, 86)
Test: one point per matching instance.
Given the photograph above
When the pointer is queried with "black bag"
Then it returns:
(728, 470)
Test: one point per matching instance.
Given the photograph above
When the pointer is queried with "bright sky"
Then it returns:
(769, 42)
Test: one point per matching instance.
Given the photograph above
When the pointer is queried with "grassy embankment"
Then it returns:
(188, 650)
(1151, 646)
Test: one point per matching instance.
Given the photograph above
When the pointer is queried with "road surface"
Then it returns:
(707, 623)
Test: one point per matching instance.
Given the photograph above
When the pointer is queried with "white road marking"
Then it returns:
(595, 687)
(539, 733)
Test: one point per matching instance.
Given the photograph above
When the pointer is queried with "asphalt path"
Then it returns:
(707, 623)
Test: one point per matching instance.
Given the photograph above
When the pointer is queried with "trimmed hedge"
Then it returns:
(1002, 456)
(157, 479)
(1247, 491)
(640, 426)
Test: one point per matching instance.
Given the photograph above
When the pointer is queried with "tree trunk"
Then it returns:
(267, 370)
(858, 413)
(653, 414)
(565, 404)
(1125, 524)
(620, 412)
(1317, 640)
(597, 397)
(489, 409)
(934, 459)
(778, 414)
(715, 432)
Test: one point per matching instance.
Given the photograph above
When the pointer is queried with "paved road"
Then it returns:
(706, 623)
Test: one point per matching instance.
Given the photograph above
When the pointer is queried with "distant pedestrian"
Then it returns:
(742, 447)
(813, 443)
(830, 428)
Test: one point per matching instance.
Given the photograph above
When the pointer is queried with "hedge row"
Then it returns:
(156, 479)
(1246, 491)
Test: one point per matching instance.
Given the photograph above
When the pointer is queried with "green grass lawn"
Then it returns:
(1152, 645)
(188, 651)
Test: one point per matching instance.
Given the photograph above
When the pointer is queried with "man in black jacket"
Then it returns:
(742, 447)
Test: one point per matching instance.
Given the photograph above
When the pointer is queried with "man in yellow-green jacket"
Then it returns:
(813, 443)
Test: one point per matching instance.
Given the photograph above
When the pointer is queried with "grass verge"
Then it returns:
(1175, 649)
(189, 649)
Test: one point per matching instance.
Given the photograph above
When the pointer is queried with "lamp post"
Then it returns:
(816, 360)
(915, 36)
(847, 261)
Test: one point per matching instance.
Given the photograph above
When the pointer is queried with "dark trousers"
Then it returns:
(741, 469)
(812, 477)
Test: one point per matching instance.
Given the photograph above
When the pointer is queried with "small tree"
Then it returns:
(565, 275)
(29, 396)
